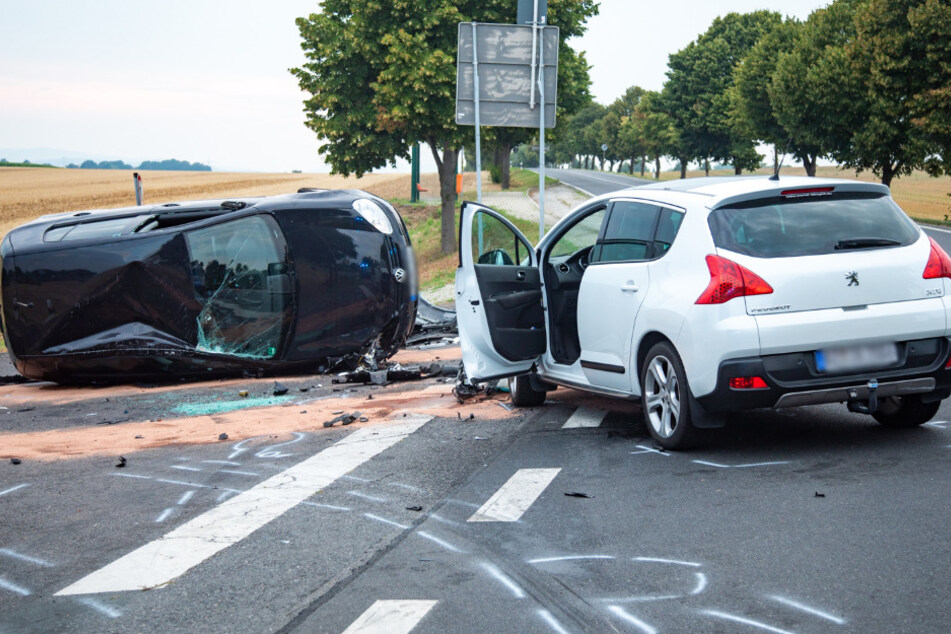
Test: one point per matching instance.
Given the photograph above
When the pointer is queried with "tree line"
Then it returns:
(865, 83)
(172, 165)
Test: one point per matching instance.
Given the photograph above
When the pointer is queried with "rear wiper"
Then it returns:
(865, 243)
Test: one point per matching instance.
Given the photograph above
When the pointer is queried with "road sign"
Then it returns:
(504, 60)
(527, 7)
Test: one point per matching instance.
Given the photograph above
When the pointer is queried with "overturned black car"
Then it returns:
(301, 282)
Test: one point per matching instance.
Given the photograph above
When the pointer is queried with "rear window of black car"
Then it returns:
(815, 225)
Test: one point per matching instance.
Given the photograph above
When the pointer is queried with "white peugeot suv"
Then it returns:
(712, 295)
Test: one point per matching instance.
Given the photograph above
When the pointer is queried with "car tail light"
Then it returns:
(806, 191)
(728, 280)
(748, 383)
(939, 264)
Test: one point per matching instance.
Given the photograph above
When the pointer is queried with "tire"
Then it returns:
(905, 411)
(523, 395)
(665, 399)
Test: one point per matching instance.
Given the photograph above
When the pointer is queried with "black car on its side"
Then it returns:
(297, 282)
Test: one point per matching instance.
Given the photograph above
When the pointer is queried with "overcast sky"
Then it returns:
(207, 80)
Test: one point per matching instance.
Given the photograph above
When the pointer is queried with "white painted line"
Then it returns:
(163, 515)
(236, 472)
(668, 561)
(937, 423)
(12, 489)
(649, 450)
(504, 579)
(231, 463)
(740, 466)
(624, 615)
(436, 540)
(187, 495)
(391, 617)
(184, 468)
(745, 621)
(408, 487)
(546, 560)
(809, 610)
(511, 501)
(443, 520)
(224, 495)
(132, 475)
(934, 228)
(100, 607)
(366, 496)
(27, 558)
(585, 417)
(327, 506)
(383, 520)
(701, 583)
(12, 587)
(172, 555)
(552, 622)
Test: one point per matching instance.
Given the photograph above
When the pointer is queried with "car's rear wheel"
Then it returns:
(665, 399)
(523, 394)
(905, 411)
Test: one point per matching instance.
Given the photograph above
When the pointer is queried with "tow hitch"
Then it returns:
(860, 407)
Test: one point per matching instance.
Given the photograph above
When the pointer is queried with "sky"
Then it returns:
(207, 80)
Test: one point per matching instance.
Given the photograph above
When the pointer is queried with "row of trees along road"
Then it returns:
(382, 76)
(866, 83)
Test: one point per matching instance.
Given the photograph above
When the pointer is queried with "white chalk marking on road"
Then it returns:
(327, 506)
(101, 607)
(132, 475)
(187, 495)
(224, 495)
(810, 610)
(552, 622)
(195, 484)
(383, 520)
(745, 621)
(236, 472)
(512, 500)
(14, 488)
(504, 579)
(937, 423)
(172, 555)
(701, 583)
(355, 479)
(585, 417)
(391, 617)
(668, 561)
(740, 466)
(545, 560)
(366, 496)
(661, 597)
(443, 520)
(164, 515)
(624, 615)
(184, 468)
(12, 587)
(644, 449)
(408, 487)
(230, 463)
(270, 452)
(436, 540)
(27, 558)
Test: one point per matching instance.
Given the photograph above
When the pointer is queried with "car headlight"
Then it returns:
(373, 214)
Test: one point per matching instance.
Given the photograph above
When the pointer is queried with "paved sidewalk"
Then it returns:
(559, 200)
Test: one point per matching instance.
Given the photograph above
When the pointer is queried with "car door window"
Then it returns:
(495, 244)
(240, 274)
(667, 227)
(629, 234)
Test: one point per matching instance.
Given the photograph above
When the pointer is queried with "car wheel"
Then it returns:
(523, 395)
(665, 399)
(905, 411)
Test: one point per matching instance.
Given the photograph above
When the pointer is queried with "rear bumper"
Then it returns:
(792, 379)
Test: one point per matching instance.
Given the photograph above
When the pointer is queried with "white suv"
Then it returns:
(706, 296)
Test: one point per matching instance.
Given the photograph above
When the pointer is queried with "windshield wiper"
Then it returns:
(865, 243)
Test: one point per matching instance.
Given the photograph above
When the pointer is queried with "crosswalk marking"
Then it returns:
(391, 617)
(170, 556)
(512, 500)
(585, 417)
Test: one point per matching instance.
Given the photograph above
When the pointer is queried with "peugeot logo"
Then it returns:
(853, 278)
(399, 274)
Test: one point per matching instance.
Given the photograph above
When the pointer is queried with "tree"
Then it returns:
(655, 129)
(622, 143)
(382, 76)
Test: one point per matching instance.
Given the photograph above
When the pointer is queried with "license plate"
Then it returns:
(854, 358)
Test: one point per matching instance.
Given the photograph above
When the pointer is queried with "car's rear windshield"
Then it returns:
(787, 227)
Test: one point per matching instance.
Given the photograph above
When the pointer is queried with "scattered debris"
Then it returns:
(121, 462)
(369, 397)
(344, 419)
(577, 494)
(279, 389)
(14, 461)
(139, 437)
(507, 406)
(364, 419)
(820, 495)
(304, 389)
(416, 508)
(243, 394)
(222, 436)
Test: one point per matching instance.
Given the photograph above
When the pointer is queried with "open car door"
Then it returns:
(498, 296)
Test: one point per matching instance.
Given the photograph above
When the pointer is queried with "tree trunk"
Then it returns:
(657, 168)
(643, 167)
(888, 173)
(683, 168)
(809, 163)
(737, 170)
(706, 166)
(505, 164)
(446, 165)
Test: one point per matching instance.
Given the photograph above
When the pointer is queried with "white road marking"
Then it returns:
(236, 472)
(383, 520)
(701, 583)
(668, 561)
(512, 500)
(740, 466)
(937, 423)
(546, 560)
(552, 622)
(391, 617)
(504, 579)
(585, 417)
(15, 488)
(100, 607)
(644, 449)
(810, 610)
(366, 496)
(184, 468)
(27, 558)
(408, 487)
(163, 515)
(624, 615)
(745, 621)
(436, 540)
(327, 506)
(231, 463)
(187, 495)
(172, 555)
(132, 475)
(12, 587)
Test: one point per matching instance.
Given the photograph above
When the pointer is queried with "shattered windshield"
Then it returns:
(240, 273)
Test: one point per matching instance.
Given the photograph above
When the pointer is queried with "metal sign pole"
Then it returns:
(541, 135)
(478, 138)
(531, 99)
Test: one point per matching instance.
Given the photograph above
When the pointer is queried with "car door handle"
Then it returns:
(630, 287)
(520, 276)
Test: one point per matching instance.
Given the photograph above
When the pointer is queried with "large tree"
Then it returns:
(382, 76)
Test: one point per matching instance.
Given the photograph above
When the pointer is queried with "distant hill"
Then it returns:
(171, 165)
